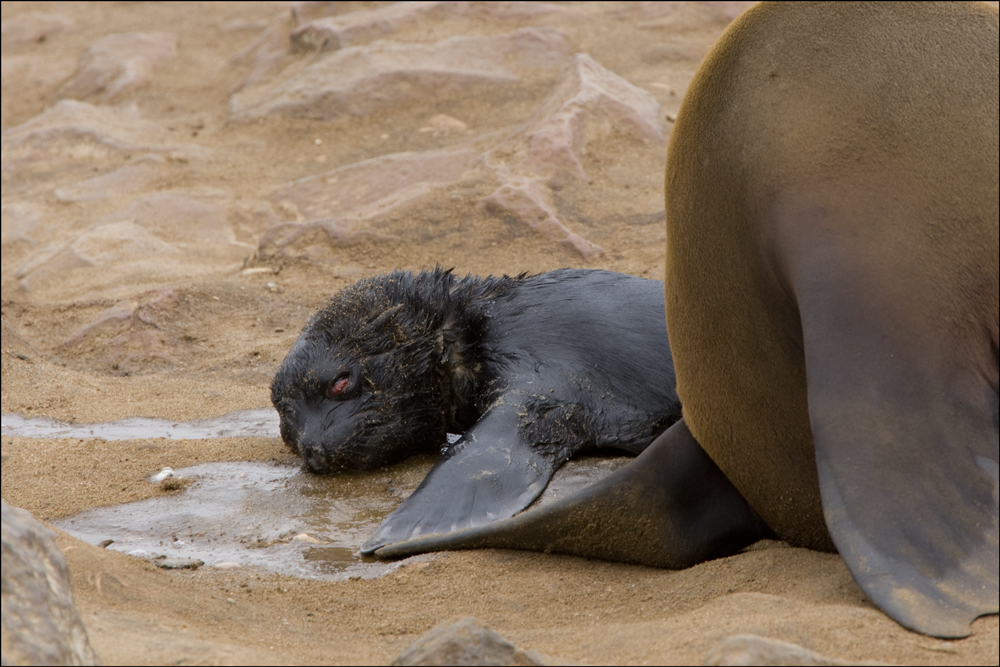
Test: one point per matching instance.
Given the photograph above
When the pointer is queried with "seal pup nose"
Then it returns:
(315, 458)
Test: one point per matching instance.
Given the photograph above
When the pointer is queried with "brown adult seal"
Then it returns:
(832, 303)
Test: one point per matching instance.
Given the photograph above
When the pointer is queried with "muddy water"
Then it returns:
(278, 518)
(275, 517)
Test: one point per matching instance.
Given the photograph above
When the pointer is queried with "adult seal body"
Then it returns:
(530, 370)
(832, 302)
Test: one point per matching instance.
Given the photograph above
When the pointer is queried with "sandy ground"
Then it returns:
(184, 184)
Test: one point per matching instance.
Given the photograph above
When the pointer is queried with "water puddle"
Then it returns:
(274, 517)
(277, 518)
(280, 518)
(258, 422)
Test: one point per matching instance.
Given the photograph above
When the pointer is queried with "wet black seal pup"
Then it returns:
(530, 370)
(832, 297)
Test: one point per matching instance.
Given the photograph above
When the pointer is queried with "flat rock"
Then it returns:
(330, 33)
(467, 642)
(98, 139)
(178, 563)
(330, 210)
(363, 79)
(134, 176)
(41, 625)
(34, 27)
(115, 63)
(590, 103)
(128, 337)
(356, 190)
(186, 233)
(754, 650)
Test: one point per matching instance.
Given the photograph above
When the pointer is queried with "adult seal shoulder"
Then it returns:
(530, 370)
(832, 302)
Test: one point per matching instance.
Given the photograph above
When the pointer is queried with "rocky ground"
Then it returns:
(184, 184)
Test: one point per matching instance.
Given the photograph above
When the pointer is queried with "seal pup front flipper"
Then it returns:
(903, 407)
(491, 473)
(671, 507)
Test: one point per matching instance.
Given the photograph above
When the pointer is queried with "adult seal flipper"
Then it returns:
(903, 414)
(832, 233)
(672, 507)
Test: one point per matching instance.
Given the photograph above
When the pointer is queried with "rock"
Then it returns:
(14, 344)
(187, 233)
(20, 221)
(41, 625)
(529, 200)
(177, 563)
(363, 79)
(115, 63)
(354, 194)
(35, 152)
(466, 642)
(34, 27)
(136, 175)
(128, 337)
(590, 103)
(334, 32)
(754, 650)
(443, 125)
(357, 190)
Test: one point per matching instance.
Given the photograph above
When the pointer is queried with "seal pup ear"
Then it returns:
(903, 408)
(379, 321)
(670, 507)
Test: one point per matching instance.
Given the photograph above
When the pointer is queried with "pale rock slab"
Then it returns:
(19, 222)
(115, 63)
(466, 642)
(186, 234)
(330, 33)
(363, 79)
(137, 175)
(34, 27)
(129, 337)
(330, 209)
(589, 103)
(754, 650)
(41, 625)
(71, 138)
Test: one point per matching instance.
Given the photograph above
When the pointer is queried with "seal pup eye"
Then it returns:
(339, 386)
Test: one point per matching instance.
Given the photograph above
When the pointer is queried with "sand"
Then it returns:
(184, 184)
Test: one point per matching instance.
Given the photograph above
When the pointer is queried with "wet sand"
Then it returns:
(169, 227)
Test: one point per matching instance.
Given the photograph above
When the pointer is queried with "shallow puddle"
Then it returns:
(278, 517)
(258, 422)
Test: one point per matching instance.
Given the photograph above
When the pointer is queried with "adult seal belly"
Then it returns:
(832, 302)
(530, 370)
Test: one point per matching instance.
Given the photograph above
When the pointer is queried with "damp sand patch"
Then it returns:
(244, 423)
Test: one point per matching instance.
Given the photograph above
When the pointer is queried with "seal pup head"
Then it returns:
(380, 373)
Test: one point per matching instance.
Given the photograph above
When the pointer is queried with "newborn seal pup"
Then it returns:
(530, 370)
(832, 298)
